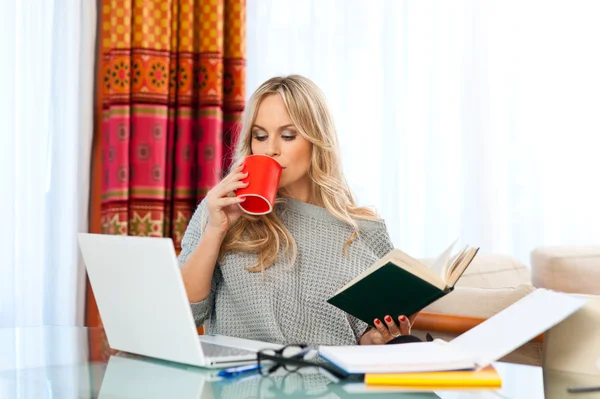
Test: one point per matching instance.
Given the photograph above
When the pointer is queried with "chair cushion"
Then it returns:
(495, 271)
(574, 269)
(479, 302)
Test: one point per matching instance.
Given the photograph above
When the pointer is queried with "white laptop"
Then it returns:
(144, 307)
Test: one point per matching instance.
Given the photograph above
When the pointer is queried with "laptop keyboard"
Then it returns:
(212, 350)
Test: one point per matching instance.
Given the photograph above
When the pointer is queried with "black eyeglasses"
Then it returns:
(292, 358)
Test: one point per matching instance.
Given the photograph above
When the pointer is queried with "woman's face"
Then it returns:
(274, 135)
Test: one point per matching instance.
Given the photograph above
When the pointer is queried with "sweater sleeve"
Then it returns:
(201, 310)
(379, 241)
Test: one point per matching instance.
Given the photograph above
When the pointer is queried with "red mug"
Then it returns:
(263, 175)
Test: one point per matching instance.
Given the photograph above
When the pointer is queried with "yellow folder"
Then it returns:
(485, 378)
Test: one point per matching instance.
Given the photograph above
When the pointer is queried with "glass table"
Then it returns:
(74, 362)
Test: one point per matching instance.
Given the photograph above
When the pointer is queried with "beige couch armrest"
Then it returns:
(574, 269)
(478, 302)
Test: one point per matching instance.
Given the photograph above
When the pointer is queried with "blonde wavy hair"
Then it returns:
(266, 235)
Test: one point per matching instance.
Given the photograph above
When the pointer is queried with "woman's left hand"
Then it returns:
(385, 330)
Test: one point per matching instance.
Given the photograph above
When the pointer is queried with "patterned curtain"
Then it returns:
(173, 93)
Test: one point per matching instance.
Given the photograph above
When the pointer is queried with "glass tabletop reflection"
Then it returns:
(74, 362)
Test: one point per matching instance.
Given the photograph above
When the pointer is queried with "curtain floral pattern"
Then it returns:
(173, 79)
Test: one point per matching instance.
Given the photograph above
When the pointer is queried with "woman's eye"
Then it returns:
(259, 137)
(288, 135)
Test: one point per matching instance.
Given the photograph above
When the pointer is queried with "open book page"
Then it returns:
(423, 272)
(404, 261)
(454, 262)
(440, 265)
(409, 260)
(417, 268)
(456, 270)
(386, 258)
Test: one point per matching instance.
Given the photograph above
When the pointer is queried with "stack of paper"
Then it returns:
(405, 358)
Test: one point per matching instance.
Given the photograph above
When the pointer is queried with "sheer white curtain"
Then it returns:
(471, 118)
(46, 86)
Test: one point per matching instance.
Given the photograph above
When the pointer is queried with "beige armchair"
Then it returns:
(494, 282)
(574, 269)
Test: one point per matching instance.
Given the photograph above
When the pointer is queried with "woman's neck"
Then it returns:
(303, 195)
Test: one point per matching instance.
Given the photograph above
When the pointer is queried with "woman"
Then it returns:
(269, 277)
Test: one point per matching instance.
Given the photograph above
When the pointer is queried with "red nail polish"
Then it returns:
(377, 321)
(402, 318)
(388, 319)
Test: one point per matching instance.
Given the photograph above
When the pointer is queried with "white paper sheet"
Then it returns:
(514, 326)
(477, 348)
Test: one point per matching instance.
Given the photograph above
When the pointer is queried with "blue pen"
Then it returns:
(235, 371)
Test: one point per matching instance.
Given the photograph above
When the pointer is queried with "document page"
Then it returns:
(512, 327)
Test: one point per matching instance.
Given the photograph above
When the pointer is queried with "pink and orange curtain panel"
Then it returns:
(173, 87)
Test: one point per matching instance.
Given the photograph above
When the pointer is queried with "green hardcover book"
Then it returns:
(399, 285)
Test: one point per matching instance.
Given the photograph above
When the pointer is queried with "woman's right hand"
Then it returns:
(223, 210)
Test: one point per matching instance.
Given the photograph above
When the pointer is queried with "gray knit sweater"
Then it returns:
(288, 303)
